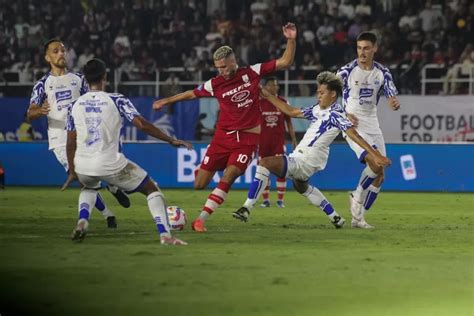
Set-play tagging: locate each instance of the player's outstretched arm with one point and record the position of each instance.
(35, 111)
(380, 160)
(187, 95)
(285, 61)
(281, 105)
(71, 146)
(150, 129)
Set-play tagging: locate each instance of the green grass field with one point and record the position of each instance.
(418, 261)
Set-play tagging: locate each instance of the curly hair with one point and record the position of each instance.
(331, 80)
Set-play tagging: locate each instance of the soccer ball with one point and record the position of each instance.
(176, 217)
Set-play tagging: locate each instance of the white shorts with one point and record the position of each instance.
(130, 179)
(61, 156)
(375, 140)
(301, 167)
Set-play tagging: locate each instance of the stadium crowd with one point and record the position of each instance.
(139, 36)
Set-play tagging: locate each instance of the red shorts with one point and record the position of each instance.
(269, 150)
(236, 148)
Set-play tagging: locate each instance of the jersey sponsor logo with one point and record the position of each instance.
(235, 90)
(366, 92)
(63, 95)
(240, 96)
(244, 104)
(271, 120)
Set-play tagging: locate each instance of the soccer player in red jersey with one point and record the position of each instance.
(272, 137)
(238, 127)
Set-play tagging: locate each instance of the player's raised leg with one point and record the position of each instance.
(121, 196)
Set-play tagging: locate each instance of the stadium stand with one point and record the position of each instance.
(137, 37)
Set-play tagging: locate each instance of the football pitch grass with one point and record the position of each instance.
(419, 260)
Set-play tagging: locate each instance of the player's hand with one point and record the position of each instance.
(354, 120)
(159, 104)
(382, 161)
(181, 143)
(289, 30)
(44, 108)
(394, 103)
(70, 178)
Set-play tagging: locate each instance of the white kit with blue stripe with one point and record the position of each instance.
(60, 91)
(97, 117)
(312, 152)
(361, 93)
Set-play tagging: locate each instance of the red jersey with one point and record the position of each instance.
(238, 97)
(273, 123)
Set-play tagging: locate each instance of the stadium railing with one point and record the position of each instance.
(440, 72)
(188, 78)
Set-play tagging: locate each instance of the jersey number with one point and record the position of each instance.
(242, 158)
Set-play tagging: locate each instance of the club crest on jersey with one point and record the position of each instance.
(245, 78)
(63, 95)
(377, 82)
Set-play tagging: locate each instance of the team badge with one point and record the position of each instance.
(245, 78)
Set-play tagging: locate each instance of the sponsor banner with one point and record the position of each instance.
(180, 123)
(415, 167)
(425, 119)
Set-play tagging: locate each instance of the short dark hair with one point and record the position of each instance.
(265, 80)
(367, 36)
(53, 40)
(331, 80)
(94, 70)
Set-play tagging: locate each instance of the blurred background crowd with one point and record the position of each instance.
(138, 37)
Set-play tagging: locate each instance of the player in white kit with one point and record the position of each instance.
(94, 151)
(51, 97)
(310, 156)
(365, 81)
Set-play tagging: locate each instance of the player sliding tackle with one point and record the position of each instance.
(310, 156)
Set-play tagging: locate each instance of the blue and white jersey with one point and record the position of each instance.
(60, 91)
(97, 118)
(362, 90)
(325, 125)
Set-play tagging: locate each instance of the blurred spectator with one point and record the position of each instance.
(346, 10)
(84, 57)
(169, 30)
(363, 9)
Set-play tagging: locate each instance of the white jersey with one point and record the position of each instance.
(324, 128)
(361, 93)
(97, 118)
(60, 91)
